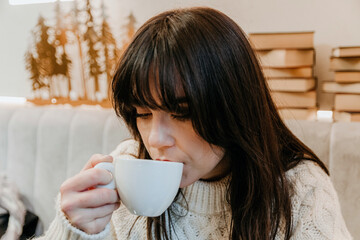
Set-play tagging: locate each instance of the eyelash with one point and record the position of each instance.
(181, 118)
(177, 117)
(142, 115)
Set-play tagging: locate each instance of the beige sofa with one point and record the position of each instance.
(42, 146)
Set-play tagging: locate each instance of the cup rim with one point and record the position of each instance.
(147, 160)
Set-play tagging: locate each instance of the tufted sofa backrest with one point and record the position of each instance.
(40, 147)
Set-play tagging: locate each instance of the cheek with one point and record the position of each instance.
(217, 153)
(203, 162)
(210, 159)
(206, 155)
(143, 130)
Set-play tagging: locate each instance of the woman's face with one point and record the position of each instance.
(170, 136)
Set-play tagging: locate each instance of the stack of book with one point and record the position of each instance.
(345, 61)
(287, 60)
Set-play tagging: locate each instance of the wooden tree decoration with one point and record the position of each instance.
(130, 31)
(75, 29)
(60, 42)
(110, 47)
(32, 67)
(49, 63)
(35, 76)
(91, 38)
(46, 59)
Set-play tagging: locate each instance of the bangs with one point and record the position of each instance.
(155, 73)
(155, 81)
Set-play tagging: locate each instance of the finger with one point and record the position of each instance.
(95, 159)
(84, 215)
(89, 199)
(97, 197)
(96, 226)
(87, 179)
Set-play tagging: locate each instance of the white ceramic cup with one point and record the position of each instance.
(146, 187)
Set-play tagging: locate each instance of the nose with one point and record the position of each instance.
(160, 133)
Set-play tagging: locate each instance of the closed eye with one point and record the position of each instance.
(143, 115)
(181, 117)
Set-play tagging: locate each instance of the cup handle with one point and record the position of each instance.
(109, 167)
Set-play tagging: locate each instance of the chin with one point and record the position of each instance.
(186, 182)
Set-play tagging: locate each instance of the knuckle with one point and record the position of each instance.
(96, 174)
(64, 187)
(66, 206)
(82, 201)
(114, 196)
(108, 195)
(95, 156)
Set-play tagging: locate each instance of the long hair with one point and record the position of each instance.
(204, 52)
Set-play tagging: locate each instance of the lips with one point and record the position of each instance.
(164, 160)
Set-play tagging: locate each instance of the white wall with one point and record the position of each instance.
(334, 22)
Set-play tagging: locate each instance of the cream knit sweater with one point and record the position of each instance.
(315, 211)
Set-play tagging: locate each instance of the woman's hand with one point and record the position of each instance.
(86, 207)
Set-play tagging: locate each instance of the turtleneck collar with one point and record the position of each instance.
(206, 197)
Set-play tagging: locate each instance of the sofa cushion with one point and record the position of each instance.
(316, 135)
(345, 172)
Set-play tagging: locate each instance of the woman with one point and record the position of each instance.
(191, 90)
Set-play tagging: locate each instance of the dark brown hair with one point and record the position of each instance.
(204, 52)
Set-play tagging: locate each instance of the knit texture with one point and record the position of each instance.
(203, 213)
(11, 203)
